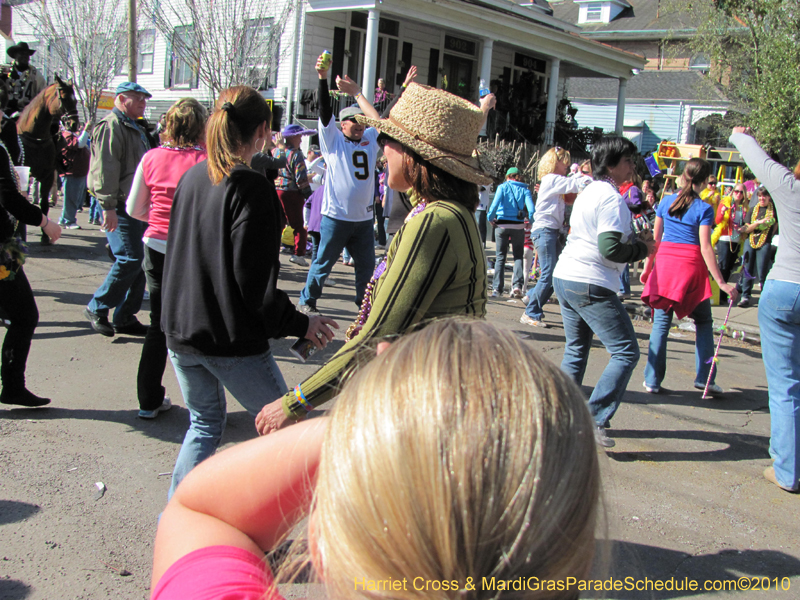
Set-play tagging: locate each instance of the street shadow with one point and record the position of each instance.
(170, 426)
(640, 561)
(12, 511)
(736, 446)
(11, 589)
(751, 400)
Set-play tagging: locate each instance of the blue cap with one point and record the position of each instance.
(131, 86)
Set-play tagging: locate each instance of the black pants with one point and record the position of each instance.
(16, 299)
(154, 351)
(727, 255)
(381, 224)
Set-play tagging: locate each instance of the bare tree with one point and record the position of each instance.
(85, 41)
(222, 43)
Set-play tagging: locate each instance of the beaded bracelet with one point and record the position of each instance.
(301, 399)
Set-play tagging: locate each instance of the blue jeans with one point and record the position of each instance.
(95, 210)
(758, 263)
(336, 235)
(516, 237)
(625, 280)
(546, 243)
(779, 320)
(656, 367)
(254, 381)
(587, 310)
(123, 288)
(74, 193)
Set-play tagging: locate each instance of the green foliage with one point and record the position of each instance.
(754, 49)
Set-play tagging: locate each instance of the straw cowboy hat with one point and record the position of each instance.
(440, 127)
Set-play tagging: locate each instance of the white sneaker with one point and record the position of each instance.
(331, 282)
(713, 389)
(651, 390)
(516, 293)
(298, 260)
(494, 294)
(602, 439)
(525, 319)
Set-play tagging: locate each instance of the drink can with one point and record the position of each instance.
(303, 349)
(327, 58)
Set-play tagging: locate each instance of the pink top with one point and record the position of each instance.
(679, 280)
(154, 186)
(217, 573)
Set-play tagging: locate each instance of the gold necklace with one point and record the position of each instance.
(759, 239)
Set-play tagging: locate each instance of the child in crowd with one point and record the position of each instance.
(481, 481)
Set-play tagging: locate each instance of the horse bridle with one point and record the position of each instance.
(61, 96)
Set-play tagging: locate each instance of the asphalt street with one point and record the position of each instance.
(683, 497)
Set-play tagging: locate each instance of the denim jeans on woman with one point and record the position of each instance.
(589, 310)
(254, 381)
(756, 263)
(779, 320)
(546, 242)
(656, 367)
(515, 237)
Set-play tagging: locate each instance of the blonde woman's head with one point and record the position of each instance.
(185, 123)
(459, 452)
(551, 161)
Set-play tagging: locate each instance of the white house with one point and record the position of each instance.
(457, 41)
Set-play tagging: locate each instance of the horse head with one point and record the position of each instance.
(63, 100)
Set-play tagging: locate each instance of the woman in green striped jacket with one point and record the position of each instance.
(435, 266)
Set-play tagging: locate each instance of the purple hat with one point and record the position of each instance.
(295, 129)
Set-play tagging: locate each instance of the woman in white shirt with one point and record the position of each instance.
(549, 219)
(600, 244)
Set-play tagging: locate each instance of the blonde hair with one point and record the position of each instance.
(547, 164)
(237, 114)
(185, 122)
(431, 471)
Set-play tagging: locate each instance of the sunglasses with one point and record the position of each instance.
(738, 192)
(586, 172)
(710, 183)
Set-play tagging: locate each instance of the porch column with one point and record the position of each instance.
(552, 102)
(623, 84)
(486, 68)
(371, 55)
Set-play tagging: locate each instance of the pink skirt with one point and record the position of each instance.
(679, 280)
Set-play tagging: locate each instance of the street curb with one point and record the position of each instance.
(736, 331)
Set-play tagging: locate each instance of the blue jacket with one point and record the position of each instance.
(509, 199)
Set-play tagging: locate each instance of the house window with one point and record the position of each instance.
(700, 62)
(145, 52)
(594, 13)
(258, 54)
(183, 67)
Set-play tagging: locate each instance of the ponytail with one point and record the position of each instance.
(239, 112)
(696, 172)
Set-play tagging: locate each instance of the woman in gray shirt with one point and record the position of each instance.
(779, 313)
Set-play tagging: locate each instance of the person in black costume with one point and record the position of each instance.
(16, 296)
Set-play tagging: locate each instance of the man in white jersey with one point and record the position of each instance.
(350, 156)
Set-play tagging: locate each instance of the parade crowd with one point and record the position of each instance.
(453, 449)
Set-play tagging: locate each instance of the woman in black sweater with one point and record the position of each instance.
(221, 303)
(16, 296)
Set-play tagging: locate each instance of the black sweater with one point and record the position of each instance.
(220, 291)
(14, 204)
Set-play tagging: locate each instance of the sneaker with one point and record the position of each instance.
(23, 398)
(286, 250)
(624, 296)
(744, 302)
(152, 414)
(713, 389)
(490, 272)
(331, 282)
(133, 327)
(651, 390)
(769, 475)
(495, 294)
(72, 226)
(526, 320)
(602, 439)
(516, 293)
(298, 260)
(307, 309)
(99, 322)
(525, 299)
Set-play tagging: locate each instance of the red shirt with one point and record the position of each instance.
(162, 168)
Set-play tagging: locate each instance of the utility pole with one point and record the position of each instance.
(132, 49)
